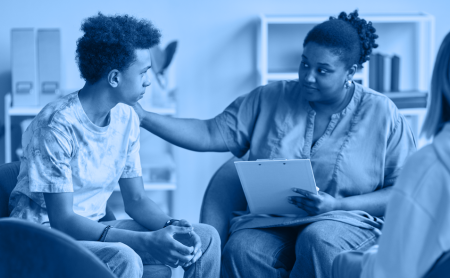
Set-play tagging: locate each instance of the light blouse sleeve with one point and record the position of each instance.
(49, 153)
(401, 144)
(236, 123)
(416, 218)
(408, 246)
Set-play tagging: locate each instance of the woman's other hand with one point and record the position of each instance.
(313, 204)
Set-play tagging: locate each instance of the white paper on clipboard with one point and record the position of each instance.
(268, 184)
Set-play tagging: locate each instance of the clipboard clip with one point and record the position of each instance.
(271, 159)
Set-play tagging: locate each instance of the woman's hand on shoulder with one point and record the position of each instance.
(140, 111)
(313, 204)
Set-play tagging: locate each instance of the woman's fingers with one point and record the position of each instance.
(302, 200)
(303, 204)
(305, 193)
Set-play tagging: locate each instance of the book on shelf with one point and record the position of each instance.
(395, 73)
(384, 72)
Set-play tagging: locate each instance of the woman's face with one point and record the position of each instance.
(322, 75)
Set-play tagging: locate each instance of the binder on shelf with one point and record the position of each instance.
(395, 73)
(386, 74)
(380, 72)
(372, 72)
(23, 67)
(49, 56)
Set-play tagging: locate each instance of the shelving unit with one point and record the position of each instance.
(409, 35)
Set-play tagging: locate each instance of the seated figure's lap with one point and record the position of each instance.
(206, 233)
(273, 246)
(309, 248)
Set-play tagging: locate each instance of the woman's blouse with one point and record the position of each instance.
(416, 231)
(362, 150)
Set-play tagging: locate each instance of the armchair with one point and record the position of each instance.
(30, 250)
(224, 195)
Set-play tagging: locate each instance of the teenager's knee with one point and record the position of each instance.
(125, 262)
(210, 239)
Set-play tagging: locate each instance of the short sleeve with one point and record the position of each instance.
(401, 144)
(133, 161)
(49, 153)
(236, 123)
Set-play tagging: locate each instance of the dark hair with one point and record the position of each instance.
(109, 42)
(439, 111)
(350, 37)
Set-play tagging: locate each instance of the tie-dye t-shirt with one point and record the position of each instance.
(63, 151)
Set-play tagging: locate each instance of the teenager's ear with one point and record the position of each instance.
(114, 78)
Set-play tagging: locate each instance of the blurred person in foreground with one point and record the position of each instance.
(417, 226)
(78, 148)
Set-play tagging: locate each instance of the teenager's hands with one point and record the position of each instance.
(313, 204)
(140, 111)
(191, 239)
(166, 249)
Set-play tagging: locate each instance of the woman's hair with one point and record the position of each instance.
(109, 42)
(348, 36)
(439, 109)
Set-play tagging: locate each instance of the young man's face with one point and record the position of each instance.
(136, 78)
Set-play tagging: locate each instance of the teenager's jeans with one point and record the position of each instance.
(125, 262)
(292, 252)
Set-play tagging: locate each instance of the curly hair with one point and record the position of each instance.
(349, 36)
(109, 42)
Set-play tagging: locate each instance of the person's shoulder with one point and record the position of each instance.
(278, 90)
(376, 99)
(378, 103)
(125, 114)
(281, 86)
(60, 112)
(421, 167)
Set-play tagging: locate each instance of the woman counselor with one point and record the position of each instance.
(356, 139)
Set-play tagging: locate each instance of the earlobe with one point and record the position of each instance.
(114, 78)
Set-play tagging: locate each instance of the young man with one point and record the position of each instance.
(79, 147)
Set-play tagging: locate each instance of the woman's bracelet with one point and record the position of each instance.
(105, 232)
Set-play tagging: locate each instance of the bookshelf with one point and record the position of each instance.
(407, 35)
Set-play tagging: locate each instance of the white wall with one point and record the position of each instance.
(215, 62)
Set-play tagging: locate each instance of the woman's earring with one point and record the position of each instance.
(347, 84)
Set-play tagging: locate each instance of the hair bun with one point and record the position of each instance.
(366, 33)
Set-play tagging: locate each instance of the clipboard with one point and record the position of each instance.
(268, 183)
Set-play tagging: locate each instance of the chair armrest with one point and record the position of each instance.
(27, 249)
(223, 195)
(441, 268)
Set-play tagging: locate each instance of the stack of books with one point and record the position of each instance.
(384, 73)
